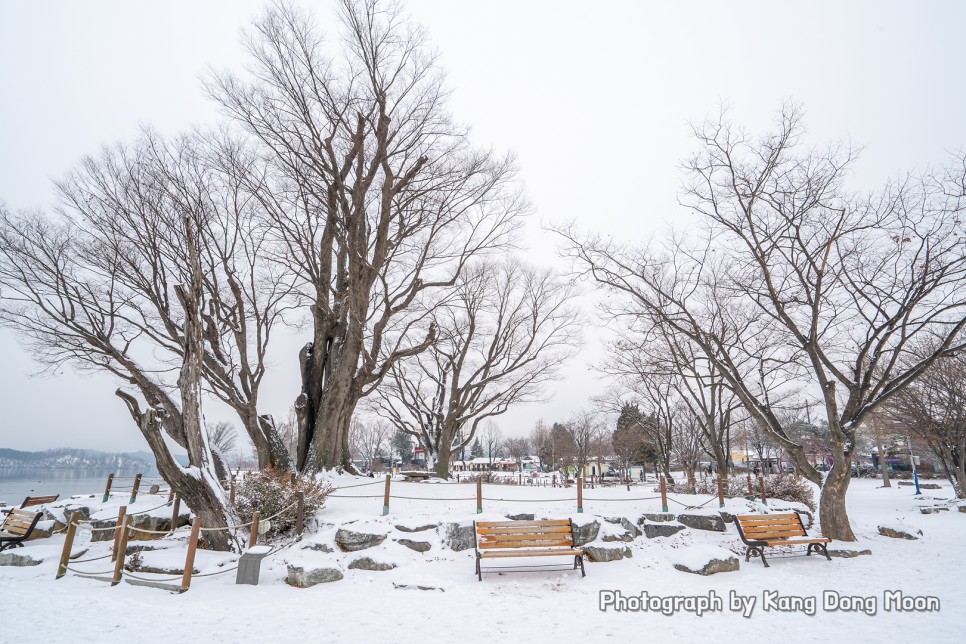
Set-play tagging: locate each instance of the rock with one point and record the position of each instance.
(631, 531)
(934, 510)
(586, 533)
(704, 559)
(299, 577)
(418, 546)
(158, 570)
(520, 517)
(459, 537)
(45, 529)
(900, 532)
(318, 547)
(922, 486)
(416, 587)
(962, 508)
(85, 512)
(605, 553)
(659, 517)
(155, 524)
(350, 541)
(138, 548)
(366, 563)
(13, 558)
(421, 528)
(726, 516)
(712, 522)
(653, 530)
(847, 553)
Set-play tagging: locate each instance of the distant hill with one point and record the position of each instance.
(78, 459)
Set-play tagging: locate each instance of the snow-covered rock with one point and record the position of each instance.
(656, 529)
(418, 528)
(318, 547)
(585, 533)
(704, 559)
(367, 563)
(301, 577)
(459, 536)
(629, 533)
(712, 522)
(848, 553)
(658, 517)
(520, 517)
(418, 546)
(602, 553)
(14, 558)
(900, 530)
(351, 541)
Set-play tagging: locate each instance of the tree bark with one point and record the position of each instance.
(833, 513)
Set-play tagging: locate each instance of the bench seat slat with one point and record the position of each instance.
(759, 518)
(511, 524)
(523, 536)
(791, 542)
(554, 529)
(572, 552)
(567, 543)
(785, 532)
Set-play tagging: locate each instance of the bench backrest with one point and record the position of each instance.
(524, 534)
(19, 522)
(770, 526)
(38, 500)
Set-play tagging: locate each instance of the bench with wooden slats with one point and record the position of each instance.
(759, 531)
(498, 539)
(17, 527)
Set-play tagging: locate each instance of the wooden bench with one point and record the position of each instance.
(525, 539)
(36, 500)
(17, 527)
(759, 531)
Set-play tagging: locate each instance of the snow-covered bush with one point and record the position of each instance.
(270, 492)
(777, 486)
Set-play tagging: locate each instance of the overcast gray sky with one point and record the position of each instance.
(595, 99)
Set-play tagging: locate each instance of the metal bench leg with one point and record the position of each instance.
(825, 551)
(756, 551)
(808, 552)
(580, 558)
(479, 573)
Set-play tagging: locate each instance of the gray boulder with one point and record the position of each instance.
(145, 522)
(416, 587)
(631, 531)
(897, 532)
(459, 537)
(659, 517)
(520, 517)
(419, 528)
(318, 547)
(366, 563)
(607, 553)
(418, 546)
(586, 533)
(712, 522)
(933, 510)
(847, 553)
(14, 558)
(713, 566)
(652, 530)
(350, 541)
(300, 577)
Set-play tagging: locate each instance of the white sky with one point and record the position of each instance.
(594, 99)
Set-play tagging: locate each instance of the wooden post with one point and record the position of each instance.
(134, 491)
(663, 495)
(107, 490)
(253, 538)
(300, 513)
(479, 496)
(720, 492)
(118, 530)
(120, 552)
(693, 483)
(170, 497)
(385, 497)
(761, 487)
(751, 490)
(189, 560)
(175, 512)
(580, 494)
(68, 544)
(231, 492)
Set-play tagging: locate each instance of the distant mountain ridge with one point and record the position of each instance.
(79, 459)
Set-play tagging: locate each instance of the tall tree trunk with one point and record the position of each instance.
(443, 456)
(832, 511)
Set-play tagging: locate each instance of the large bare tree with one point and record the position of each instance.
(376, 197)
(503, 335)
(836, 286)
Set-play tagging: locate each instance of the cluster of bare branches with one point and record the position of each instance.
(799, 282)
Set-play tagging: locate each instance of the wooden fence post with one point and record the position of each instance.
(170, 496)
(385, 497)
(68, 544)
(663, 495)
(107, 490)
(761, 487)
(720, 492)
(479, 495)
(117, 531)
(121, 551)
(300, 513)
(175, 512)
(253, 537)
(134, 490)
(189, 560)
(580, 494)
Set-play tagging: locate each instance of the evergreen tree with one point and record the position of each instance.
(476, 451)
(402, 444)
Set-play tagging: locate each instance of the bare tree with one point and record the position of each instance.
(223, 438)
(377, 199)
(797, 272)
(370, 440)
(502, 336)
(491, 438)
(588, 436)
(517, 448)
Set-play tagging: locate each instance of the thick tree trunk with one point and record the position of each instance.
(832, 511)
(443, 456)
(885, 467)
(269, 448)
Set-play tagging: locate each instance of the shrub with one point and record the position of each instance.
(777, 486)
(270, 492)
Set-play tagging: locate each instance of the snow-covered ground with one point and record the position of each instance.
(537, 607)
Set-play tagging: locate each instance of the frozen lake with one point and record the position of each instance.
(16, 484)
